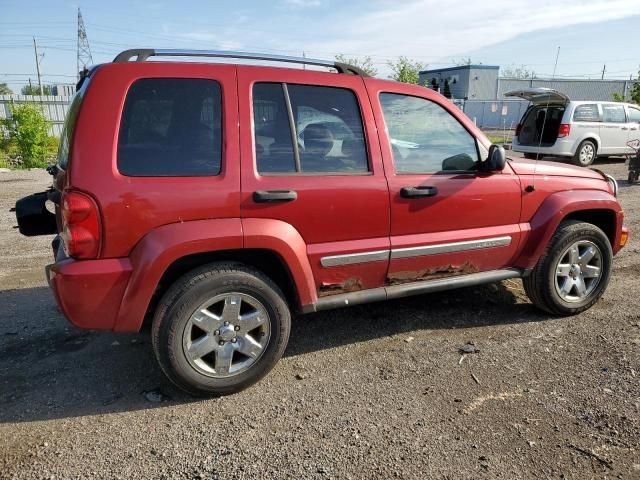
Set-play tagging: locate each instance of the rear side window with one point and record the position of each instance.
(613, 113)
(586, 113)
(171, 127)
(324, 122)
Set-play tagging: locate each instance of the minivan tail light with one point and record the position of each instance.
(80, 225)
(564, 130)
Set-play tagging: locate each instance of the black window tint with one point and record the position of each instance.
(69, 126)
(171, 127)
(328, 130)
(273, 144)
(613, 113)
(586, 113)
(425, 138)
(634, 115)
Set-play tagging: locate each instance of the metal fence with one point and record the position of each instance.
(54, 108)
(503, 114)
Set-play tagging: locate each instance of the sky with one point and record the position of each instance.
(437, 33)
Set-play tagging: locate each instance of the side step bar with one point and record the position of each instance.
(409, 289)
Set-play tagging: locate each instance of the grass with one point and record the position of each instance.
(498, 139)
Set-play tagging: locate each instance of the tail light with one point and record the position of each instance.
(518, 128)
(564, 130)
(80, 225)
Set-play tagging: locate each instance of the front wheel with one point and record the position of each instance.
(574, 270)
(220, 328)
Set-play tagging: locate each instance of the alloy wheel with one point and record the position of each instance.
(578, 271)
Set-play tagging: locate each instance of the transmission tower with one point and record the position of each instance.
(84, 51)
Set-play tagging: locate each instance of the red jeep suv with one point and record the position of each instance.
(215, 199)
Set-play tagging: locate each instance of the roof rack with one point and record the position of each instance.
(142, 54)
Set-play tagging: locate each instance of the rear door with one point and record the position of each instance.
(311, 158)
(614, 130)
(446, 218)
(633, 114)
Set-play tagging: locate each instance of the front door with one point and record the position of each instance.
(313, 161)
(613, 130)
(446, 217)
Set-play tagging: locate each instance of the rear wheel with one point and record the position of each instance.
(220, 329)
(574, 270)
(585, 154)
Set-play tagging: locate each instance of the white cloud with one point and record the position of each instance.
(304, 3)
(431, 29)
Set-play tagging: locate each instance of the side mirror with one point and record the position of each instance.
(496, 160)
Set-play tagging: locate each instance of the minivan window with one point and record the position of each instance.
(327, 127)
(613, 113)
(634, 115)
(586, 113)
(426, 138)
(171, 127)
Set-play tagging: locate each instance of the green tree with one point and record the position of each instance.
(635, 90)
(364, 63)
(617, 97)
(406, 70)
(28, 128)
(4, 89)
(447, 89)
(35, 90)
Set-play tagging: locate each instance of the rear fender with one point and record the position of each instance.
(557, 207)
(160, 248)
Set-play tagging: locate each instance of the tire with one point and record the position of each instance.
(586, 153)
(225, 358)
(532, 156)
(544, 285)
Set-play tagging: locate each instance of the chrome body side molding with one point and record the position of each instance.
(352, 258)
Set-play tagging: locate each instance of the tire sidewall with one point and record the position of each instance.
(174, 320)
(574, 233)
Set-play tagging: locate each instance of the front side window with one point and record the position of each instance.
(634, 115)
(324, 122)
(613, 113)
(171, 127)
(426, 138)
(586, 113)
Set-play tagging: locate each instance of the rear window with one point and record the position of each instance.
(69, 126)
(586, 113)
(171, 127)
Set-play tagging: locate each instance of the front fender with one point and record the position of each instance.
(160, 248)
(557, 207)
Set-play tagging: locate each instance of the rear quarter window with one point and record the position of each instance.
(586, 113)
(69, 126)
(171, 127)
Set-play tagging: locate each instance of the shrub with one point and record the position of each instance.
(27, 129)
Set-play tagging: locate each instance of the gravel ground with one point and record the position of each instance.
(379, 391)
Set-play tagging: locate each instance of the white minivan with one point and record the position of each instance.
(554, 125)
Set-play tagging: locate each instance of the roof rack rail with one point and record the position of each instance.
(142, 54)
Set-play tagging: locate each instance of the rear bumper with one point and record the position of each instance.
(89, 292)
(562, 148)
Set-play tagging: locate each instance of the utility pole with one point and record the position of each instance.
(35, 50)
(604, 69)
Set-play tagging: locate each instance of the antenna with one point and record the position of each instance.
(544, 123)
(84, 59)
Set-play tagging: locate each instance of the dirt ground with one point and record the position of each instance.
(378, 391)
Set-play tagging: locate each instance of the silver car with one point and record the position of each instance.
(554, 125)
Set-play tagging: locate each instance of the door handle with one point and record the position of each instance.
(418, 192)
(273, 196)
(625, 128)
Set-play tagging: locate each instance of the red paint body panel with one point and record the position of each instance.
(150, 222)
(89, 292)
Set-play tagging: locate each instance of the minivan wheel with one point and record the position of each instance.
(220, 328)
(585, 154)
(574, 270)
